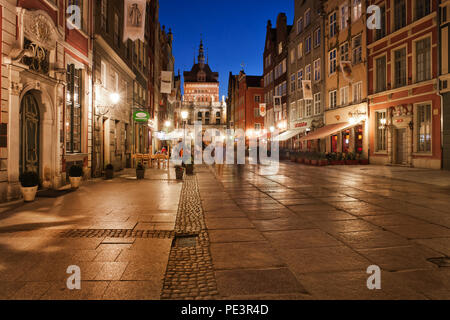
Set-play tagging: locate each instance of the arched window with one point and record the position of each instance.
(200, 116)
(206, 117)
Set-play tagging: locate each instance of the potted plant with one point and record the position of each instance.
(190, 167)
(179, 170)
(350, 159)
(75, 176)
(323, 161)
(29, 185)
(109, 172)
(140, 171)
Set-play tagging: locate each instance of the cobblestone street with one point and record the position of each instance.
(237, 233)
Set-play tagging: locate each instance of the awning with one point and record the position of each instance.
(174, 135)
(288, 134)
(326, 131)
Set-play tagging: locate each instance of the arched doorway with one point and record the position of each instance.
(29, 134)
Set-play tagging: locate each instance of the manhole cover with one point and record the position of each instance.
(443, 262)
(185, 241)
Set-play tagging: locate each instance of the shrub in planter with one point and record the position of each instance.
(75, 176)
(179, 171)
(109, 172)
(339, 159)
(323, 161)
(29, 185)
(350, 159)
(140, 171)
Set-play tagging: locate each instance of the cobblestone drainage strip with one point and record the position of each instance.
(185, 241)
(442, 262)
(117, 233)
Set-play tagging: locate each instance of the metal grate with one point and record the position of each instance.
(117, 233)
(185, 241)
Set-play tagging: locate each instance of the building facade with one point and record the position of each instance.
(444, 63)
(275, 73)
(46, 108)
(232, 100)
(405, 105)
(250, 96)
(346, 114)
(201, 95)
(306, 63)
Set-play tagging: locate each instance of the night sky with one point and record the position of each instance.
(233, 32)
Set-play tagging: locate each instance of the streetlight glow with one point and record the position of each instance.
(184, 115)
(115, 98)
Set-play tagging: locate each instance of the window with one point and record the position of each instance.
(300, 50)
(423, 60)
(293, 80)
(399, 14)
(300, 108)
(293, 111)
(257, 98)
(308, 72)
(317, 103)
(423, 113)
(357, 10)
(333, 99)
(332, 61)
(299, 25)
(317, 38)
(357, 49)
(400, 68)
(423, 8)
(116, 30)
(344, 52)
(380, 74)
(332, 23)
(444, 14)
(357, 92)
(308, 45)
(299, 79)
(307, 18)
(280, 47)
(317, 70)
(103, 74)
(292, 55)
(308, 108)
(206, 117)
(199, 117)
(73, 110)
(380, 117)
(344, 96)
(104, 15)
(381, 33)
(344, 16)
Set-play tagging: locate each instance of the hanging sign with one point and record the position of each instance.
(166, 82)
(346, 67)
(134, 20)
(141, 116)
(277, 104)
(262, 109)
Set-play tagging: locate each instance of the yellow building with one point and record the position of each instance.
(346, 106)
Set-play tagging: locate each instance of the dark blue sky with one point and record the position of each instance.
(233, 32)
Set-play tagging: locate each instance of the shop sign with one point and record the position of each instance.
(141, 116)
(301, 124)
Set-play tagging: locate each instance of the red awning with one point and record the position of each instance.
(326, 131)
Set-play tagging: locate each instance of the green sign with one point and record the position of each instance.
(141, 116)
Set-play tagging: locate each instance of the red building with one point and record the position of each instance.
(250, 95)
(405, 106)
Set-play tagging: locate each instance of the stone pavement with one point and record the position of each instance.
(238, 233)
(118, 232)
(311, 233)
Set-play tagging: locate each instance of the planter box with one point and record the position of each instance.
(364, 162)
(109, 174)
(189, 169)
(293, 159)
(337, 162)
(29, 193)
(140, 174)
(323, 163)
(75, 182)
(307, 161)
(179, 174)
(300, 160)
(351, 162)
(314, 162)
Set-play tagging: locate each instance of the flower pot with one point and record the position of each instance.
(29, 194)
(364, 162)
(109, 174)
(140, 174)
(189, 169)
(75, 182)
(179, 173)
(351, 162)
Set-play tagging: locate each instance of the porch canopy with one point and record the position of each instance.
(288, 134)
(326, 131)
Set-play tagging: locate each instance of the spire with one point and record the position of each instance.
(201, 53)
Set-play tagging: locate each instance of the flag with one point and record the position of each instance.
(307, 90)
(134, 20)
(346, 68)
(262, 109)
(166, 82)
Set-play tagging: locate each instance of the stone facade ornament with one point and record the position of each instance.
(40, 29)
(16, 88)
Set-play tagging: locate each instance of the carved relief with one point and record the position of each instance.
(40, 29)
(16, 88)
